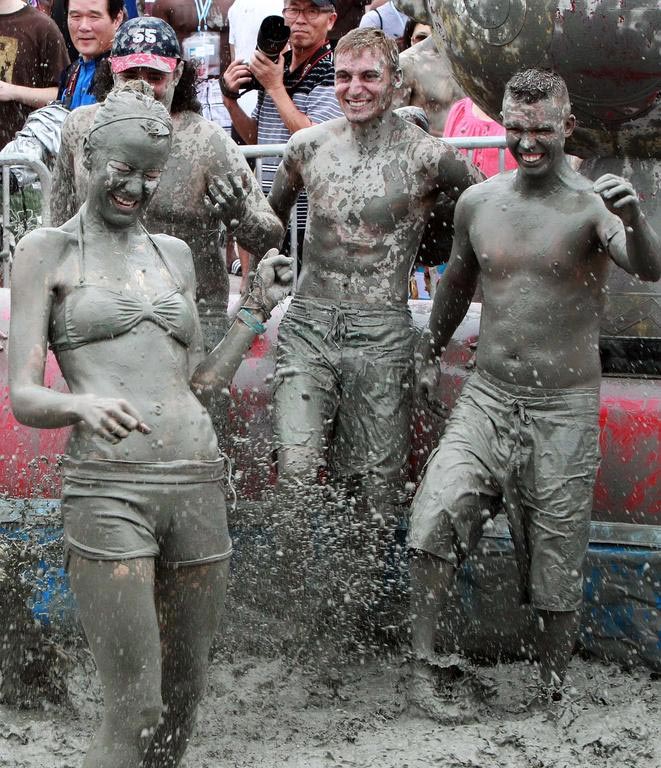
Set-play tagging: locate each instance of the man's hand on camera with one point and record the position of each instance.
(236, 76)
(269, 73)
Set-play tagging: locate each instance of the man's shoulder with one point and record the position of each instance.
(321, 74)
(371, 19)
(27, 18)
(488, 191)
(316, 138)
(40, 23)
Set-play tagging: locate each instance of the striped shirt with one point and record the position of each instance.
(312, 89)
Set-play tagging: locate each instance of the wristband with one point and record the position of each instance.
(247, 318)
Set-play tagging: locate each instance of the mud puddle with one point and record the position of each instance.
(267, 712)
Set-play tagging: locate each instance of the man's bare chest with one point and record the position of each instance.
(371, 194)
(542, 242)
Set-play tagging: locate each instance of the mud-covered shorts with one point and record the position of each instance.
(343, 381)
(535, 451)
(119, 510)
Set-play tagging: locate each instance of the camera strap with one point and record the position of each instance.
(202, 7)
(310, 64)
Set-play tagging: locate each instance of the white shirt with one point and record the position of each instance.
(387, 18)
(245, 18)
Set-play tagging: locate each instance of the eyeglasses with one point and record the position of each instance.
(311, 14)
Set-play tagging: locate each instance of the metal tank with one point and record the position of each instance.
(609, 53)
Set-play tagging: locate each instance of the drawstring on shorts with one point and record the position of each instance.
(338, 326)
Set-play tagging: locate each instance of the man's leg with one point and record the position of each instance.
(431, 581)
(302, 415)
(455, 534)
(558, 493)
(556, 638)
(456, 497)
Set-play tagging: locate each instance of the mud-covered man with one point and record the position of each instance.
(524, 433)
(345, 355)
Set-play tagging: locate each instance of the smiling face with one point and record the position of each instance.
(90, 26)
(536, 133)
(124, 170)
(364, 84)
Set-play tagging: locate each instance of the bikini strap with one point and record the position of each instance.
(173, 272)
(81, 249)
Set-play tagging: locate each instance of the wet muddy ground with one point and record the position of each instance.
(266, 710)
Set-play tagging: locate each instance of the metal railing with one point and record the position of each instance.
(256, 152)
(38, 167)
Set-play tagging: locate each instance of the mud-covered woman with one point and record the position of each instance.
(146, 540)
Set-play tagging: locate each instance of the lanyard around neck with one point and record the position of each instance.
(202, 7)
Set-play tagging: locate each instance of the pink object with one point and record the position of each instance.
(462, 123)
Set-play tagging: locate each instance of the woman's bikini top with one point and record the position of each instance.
(90, 312)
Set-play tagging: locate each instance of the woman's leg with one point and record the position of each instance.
(116, 604)
(190, 602)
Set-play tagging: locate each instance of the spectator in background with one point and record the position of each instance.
(466, 120)
(386, 17)
(414, 32)
(245, 18)
(204, 40)
(92, 26)
(32, 57)
(296, 92)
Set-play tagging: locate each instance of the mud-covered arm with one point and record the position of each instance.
(455, 289)
(288, 183)
(63, 199)
(451, 171)
(31, 299)
(271, 285)
(239, 202)
(625, 232)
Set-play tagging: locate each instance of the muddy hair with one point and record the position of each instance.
(532, 85)
(185, 93)
(369, 39)
(132, 101)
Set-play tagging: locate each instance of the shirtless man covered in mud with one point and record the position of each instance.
(524, 434)
(344, 370)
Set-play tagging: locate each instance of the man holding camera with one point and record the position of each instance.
(296, 89)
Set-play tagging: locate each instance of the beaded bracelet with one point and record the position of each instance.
(247, 318)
